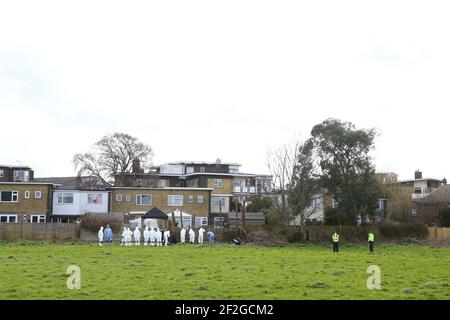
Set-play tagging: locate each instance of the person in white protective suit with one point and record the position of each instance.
(152, 237)
(183, 236)
(128, 237)
(137, 236)
(158, 237)
(166, 237)
(100, 236)
(201, 231)
(191, 236)
(124, 235)
(146, 236)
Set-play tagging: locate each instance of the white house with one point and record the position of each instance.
(73, 203)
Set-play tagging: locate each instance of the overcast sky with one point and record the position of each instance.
(198, 80)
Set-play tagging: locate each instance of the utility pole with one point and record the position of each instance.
(243, 214)
(220, 212)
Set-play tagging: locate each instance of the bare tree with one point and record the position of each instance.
(400, 205)
(281, 163)
(112, 157)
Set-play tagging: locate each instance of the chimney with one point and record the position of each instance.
(218, 161)
(444, 181)
(136, 167)
(418, 175)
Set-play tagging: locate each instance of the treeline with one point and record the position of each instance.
(335, 160)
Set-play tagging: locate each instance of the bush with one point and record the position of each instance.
(259, 204)
(444, 215)
(313, 222)
(334, 217)
(295, 236)
(399, 231)
(93, 221)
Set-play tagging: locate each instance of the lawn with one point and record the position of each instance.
(38, 271)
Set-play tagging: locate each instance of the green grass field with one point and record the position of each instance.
(37, 271)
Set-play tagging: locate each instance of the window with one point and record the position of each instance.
(9, 196)
(218, 222)
(315, 203)
(37, 194)
(217, 183)
(381, 205)
(334, 203)
(233, 170)
(189, 169)
(174, 200)
(414, 212)
(27, 194)
(200, 198)
(191, 198)
(65, 198)
(37, 218)
(144, 199)
(8, 218)
(202, 169)
(161, 183)
(21, 175)
(94, 198)
(128, 198)
(118, 197)
(218, 201)
(2, 173)
(418, 190)
(201, 221)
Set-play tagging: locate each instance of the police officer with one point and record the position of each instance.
(371, 239)
(335, 239)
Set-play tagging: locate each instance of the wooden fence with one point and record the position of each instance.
(38, 231)
(439, 234)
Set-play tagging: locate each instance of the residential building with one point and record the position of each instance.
(76, 196)
(69, 205)
(419, 187)
(134, 202)
(400, 197)
(386, 177)
(10, 173)
(231, 189)
(25, 201)
(427, 209)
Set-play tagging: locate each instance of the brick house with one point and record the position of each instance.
(16, 173)
(25, 201)
(231, 189)
(427, 208)
(133, 202)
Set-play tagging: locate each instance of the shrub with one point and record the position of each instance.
(399, 231)
(259, 204)
(313, 222)
(93, 221)
(444, 215)
(334, 217)
(295, 236)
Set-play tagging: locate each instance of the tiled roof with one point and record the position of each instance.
(441, 194)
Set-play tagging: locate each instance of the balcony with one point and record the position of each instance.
(244, 189)
(418, 196)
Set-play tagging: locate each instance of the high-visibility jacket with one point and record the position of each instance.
(335, 237)
(371, 237)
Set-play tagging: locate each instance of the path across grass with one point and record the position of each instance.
(193, 272)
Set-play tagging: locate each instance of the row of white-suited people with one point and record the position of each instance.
(154, 236)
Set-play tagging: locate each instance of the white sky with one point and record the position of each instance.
(198, 80)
